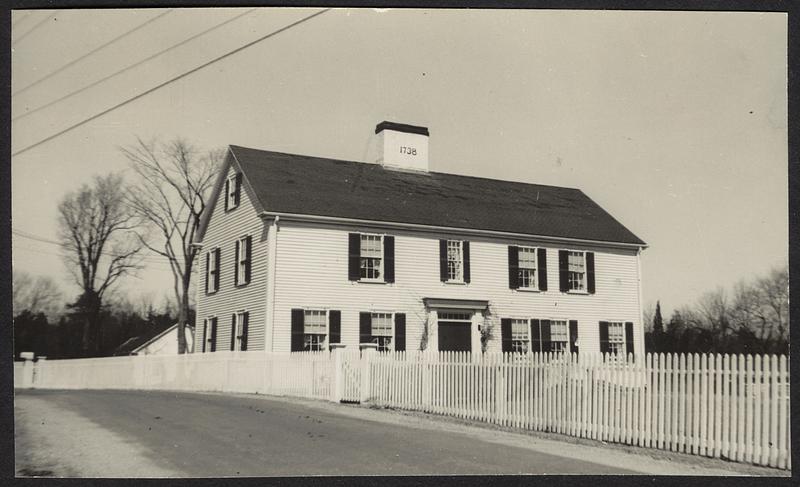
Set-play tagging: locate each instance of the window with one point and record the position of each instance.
(455, 260)
(577, 271)
(616, 338)
(243, 253)
(315, 330)
(382, 330)
(371, 256)
(212, 271)
(520, 336)
(559, 336)
(455, 316)
(232, 187)
(527, 268)
(239, 331)
(210, 334)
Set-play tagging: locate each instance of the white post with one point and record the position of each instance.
(364, 363)
(338, 379)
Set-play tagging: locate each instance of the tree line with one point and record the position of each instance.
(106, 228)
(754, 318)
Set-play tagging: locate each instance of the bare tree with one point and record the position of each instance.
(169, 198)
(35, 293)
(94, 228)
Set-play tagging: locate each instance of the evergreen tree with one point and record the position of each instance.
(658, 321)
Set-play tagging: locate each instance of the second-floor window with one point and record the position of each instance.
(243, 260)
(527, 268)
(455, 270)
(577, 271)
(212, 270)
(371, 256)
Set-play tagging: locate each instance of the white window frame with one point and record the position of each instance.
(567, 342)
(459, 274)
(238, 330)
(534, 270)
(241, 264)
(375, 338)
(528, 344)
(207, 332)
(232, 189)
(584, 282)
(381, 276)
(326, 343)
(618, 343)
(211, 270)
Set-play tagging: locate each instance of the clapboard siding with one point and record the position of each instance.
(224, 228)
(311, 271)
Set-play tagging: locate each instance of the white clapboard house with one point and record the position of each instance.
(306, 253)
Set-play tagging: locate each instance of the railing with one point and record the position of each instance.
(725, 406)
(722, 406)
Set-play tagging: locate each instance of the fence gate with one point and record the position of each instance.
(350, 373)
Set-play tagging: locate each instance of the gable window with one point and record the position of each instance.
(315, 330)
(527, 268)
(233, 189)
(212, 270)
(382, 331)
(243, 260)
(520, 336)
(239, 331)
(577, 271)
(371, 256)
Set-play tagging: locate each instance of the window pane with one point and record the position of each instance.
(315, 321)
(616, 332)
(382, 324)
(527, 258)
(455, 316)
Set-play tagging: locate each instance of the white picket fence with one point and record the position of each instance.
(725, 406)
(722, 406)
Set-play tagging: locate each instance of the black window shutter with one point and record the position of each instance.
(541, 263)
(245, 320)
(547, 344)
(573, 335)
(238, 193)
(604, 348)
(388, 258)
(399, 332)
(205, 336)
(354, 257)
(216, 268)
(563, 271)
(536, 336)
(213, 334)
(629, 337)
(590, 272)
(365, 327)
(513, 267)
(505, 334)
(236, 263)
(233, 331)
(208, 262)
(466, 261)
(227, 192)
(298, 318)
(249, 255)
(335, 326)
(443, 260)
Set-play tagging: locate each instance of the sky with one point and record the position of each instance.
(674, 122)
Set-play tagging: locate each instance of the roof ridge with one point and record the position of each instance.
(421, 173)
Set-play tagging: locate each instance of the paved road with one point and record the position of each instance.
(128, 433)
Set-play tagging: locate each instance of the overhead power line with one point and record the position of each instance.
(93, 51)
(38, 24)
(128, 68)
(169, 81)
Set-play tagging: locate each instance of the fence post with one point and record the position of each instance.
(338, 380)
(364, 364)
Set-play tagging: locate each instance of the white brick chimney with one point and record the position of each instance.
(402, 146)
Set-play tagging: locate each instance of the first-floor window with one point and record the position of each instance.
(209, 334)
(315, 330)
(382, 330)
(559, 336)
(616, 338)
(520, 336)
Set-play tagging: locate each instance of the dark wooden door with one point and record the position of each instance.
(454, 337)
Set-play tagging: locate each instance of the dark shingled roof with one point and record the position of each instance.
(308, 185)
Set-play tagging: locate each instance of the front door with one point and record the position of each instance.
(454, 337)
